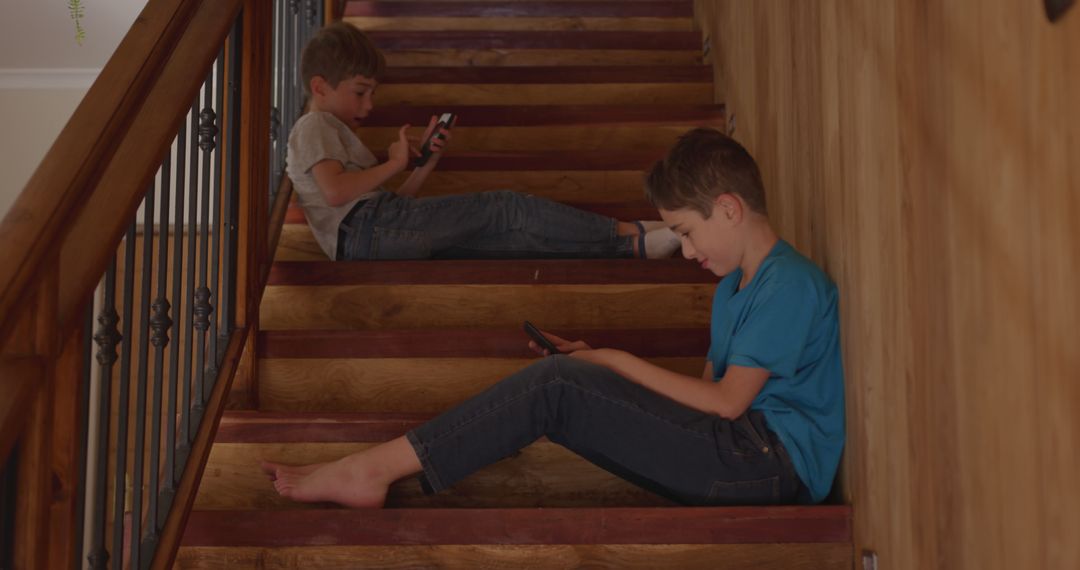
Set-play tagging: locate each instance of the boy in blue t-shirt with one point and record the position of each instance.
(763, 425)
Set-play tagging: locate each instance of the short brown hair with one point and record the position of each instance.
(339, 52)
(704, 164)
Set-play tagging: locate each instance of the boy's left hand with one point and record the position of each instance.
(564, 346)
(437, 145)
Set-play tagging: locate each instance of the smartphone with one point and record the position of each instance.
(445, 120)
(540, 339)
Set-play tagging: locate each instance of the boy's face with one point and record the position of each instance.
(714, 242)
(350, 101)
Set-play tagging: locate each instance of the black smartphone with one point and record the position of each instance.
(445, 120)
(540, 339)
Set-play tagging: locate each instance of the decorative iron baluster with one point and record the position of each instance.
(10, 470)
(215, 243)
(203, 308)
(226, 298)
(106, 337)
(82, 489)
(168, 492)
(187, 379)
(160, 321)
(140, 386)
(120, 469)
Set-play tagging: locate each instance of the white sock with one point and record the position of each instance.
(661, 243)
(652, 225)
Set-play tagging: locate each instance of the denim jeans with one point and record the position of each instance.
(676, 451)
(499, 224)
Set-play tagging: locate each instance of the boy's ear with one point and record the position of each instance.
(318, 85)
(728, 206)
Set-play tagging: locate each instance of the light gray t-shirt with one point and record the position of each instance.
(315, 137)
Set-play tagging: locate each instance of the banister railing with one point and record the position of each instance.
(131, 268)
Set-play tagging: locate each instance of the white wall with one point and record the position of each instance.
(44, 73)
(31, 119)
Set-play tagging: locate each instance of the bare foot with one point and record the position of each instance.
(275, 470)
(350, 481)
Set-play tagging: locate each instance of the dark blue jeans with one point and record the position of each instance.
(500, 224)
(676, 451)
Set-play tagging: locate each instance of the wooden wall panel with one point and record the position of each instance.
(925, 154)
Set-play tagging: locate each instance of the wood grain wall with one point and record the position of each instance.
(927, 154)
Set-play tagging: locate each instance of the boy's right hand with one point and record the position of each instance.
(400, 150)
(564, 346)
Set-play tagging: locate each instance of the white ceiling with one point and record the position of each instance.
(40, 34)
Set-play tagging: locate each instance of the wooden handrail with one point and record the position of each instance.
(71, 168)
(69, 218)
(63, 229)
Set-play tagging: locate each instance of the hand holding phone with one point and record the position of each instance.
(444, 122)
(539, 338)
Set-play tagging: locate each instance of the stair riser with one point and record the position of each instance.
(558, 94)
(518, 138)
(542, 475)
(537, 9)
(479, 57)
(391, 384)
(830, 556)
(434, 306)
(641, 24)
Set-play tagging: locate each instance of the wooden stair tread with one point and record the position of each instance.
(297, 427)
(806, 556)
(543, 474)
(630, 159)
(489, 272)
(654, 525)
(408, 384)
(473, 342)
(548, 115)
(637, 210)
(585, 40)
(535, 9)
(554, 74)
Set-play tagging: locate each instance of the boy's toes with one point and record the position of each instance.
(270, 469)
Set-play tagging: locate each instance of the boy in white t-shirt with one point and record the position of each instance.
(339, 183)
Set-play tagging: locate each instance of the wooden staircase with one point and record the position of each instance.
(567, 100)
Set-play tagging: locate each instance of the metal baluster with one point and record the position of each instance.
(7, 506)
(227, 297)
(171, 475)
(84, 433)
(189, 295)
(203, 308)
(122, 401)
(290, 63)
(140, 386)
(276, 140)
(106, 337)
(159, 324)
(215, 243)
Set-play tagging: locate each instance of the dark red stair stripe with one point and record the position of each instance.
(551, 74)
(286, 427)
(591, 160)
(549, 115)
(622, 211)
(673, 525)
(489, 272)
(533, 9)
(471, 343)
(650, 40)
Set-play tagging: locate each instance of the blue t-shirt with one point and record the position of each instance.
(785, 321)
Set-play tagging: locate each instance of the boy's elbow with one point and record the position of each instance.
(728, 410)
(334, 198)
